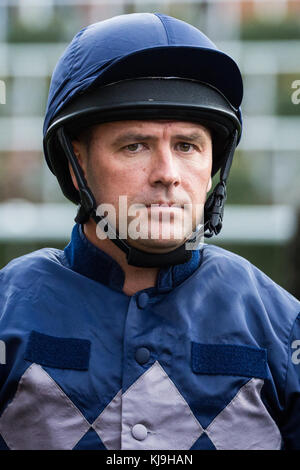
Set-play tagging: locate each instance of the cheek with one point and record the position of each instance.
(109, 181)
(197, 181)
(100, 182)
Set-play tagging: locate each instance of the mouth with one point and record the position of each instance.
(165, 204)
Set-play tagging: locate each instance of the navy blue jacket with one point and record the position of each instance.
(206, 359)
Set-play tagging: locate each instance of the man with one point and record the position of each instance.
(141, 341)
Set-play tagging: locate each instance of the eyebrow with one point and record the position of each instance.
(194, 137)
(134, 137)
(131, 137)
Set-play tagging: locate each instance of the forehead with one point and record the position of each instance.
(157, 126)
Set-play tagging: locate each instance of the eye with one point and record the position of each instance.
(133, 147)
(185, 147)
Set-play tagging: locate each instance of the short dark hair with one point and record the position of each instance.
(85, 136)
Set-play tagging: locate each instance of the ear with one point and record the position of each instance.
(73, 176)
(78, 151)
(209, 185)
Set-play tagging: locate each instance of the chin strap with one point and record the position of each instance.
(213, 214)
(214, 206)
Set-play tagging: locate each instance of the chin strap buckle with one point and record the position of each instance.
(214, 209)
(214, 206)
(86, 206)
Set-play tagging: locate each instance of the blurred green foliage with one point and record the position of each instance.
(249, 181)
(57, 25)
(270, 30)
(18, 32)
(12, 250)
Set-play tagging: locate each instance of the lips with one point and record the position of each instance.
(165, 204)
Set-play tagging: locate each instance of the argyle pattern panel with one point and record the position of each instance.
(41, 416)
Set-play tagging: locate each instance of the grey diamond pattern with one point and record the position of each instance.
(41, 416)
(245, 423)
(108, 424)
(154, 401)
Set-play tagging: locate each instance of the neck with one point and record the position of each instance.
(136, 278)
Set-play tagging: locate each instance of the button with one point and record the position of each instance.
(143, 300)
(139, 432)
(142, 355)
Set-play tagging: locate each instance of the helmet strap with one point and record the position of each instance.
(214, 206)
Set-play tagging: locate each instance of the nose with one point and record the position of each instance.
(164, 168)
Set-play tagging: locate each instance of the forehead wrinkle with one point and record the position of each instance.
(189, 131)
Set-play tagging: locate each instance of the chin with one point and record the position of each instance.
(156, 246)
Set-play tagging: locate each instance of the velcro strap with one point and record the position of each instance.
(62, 353)
(229, 359)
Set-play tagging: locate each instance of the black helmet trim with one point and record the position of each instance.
(168, 92)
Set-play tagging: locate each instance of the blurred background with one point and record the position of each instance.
(263, 36)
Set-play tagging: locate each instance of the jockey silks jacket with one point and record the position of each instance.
(206, 359)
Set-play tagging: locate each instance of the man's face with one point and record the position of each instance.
(154, 163)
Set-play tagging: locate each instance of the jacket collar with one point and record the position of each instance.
(87, 259)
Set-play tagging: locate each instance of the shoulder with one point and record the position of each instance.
(23, 271)
(228, 263)
(244, 279)
(213, 254)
